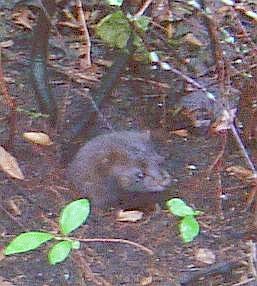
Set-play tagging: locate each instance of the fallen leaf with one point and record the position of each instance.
(205, 255)
(9, 165)
(37, 138)
(6, 44)
(180, 132)
(23, 18)
(192, 40)
(14, 205)
(241, 173)
(130, 216)
(146, 281)
(3, 282)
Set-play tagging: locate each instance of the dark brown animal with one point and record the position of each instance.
(114, 168)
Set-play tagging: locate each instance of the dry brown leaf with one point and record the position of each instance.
(23, 18)
(146, 281)
(2, 256)
(241, 173)
(192, 40)
(130, 216)
(205, 255)
(69, 24)
(9, 165)
(180, 132)
(14, 205)
(37, 138)
(3, 282)
(6, 44)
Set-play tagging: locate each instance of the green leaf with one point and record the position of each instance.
(74, 215)
(143, 22)
(189, 228)
(114, 29)
(59, 252)
(75, 244)
(179, 208)
(115, 2)
(27, 241)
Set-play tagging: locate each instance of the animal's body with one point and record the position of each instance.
(114, 169)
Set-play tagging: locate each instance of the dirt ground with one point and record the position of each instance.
(35, 202)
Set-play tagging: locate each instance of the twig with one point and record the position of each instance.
(185, 77)
(242, 149)
(253, 193)
(242, 30)
(87, 60)
(220, 155)
(141, 11)
(87, 272)
(224, 268)
(114, 240)
(253, 258)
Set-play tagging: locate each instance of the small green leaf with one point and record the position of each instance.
(189, 228)
(114, 29)
(75, 244)
(115, 2)
(59, 252)
(143, 22)
(27, 241)
(179, 208)
(74, 215)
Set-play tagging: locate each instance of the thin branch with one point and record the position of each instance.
(141, 11)
(114, 240)
(87, 60)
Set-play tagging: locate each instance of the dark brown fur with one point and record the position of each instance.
(113, 169)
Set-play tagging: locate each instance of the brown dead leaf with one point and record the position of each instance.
(2, 256)
(130, 216)
(205, 255)
(39, 138)
(3, 282)
(180, 132)
(146, 281)
(71, 25)
(23, 18)
(241, 173)
(9, 165)
(6, 44)
(14, 205)
(192, 40)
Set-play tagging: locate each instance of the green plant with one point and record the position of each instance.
(189, 227)
(116, 28)
(72, 217)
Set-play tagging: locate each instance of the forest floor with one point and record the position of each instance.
(216, 257)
